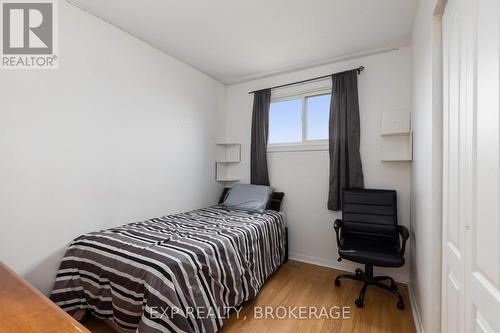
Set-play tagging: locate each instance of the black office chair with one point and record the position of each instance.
(369, 234)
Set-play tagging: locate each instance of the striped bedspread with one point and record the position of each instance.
(177, 273)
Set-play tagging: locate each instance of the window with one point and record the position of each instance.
(299, 122)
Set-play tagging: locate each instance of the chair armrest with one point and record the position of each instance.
(337, 225)
(403, 232)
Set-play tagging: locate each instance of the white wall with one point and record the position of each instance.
(119, 133)
(384, 85)
(427, 167)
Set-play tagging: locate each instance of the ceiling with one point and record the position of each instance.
(238, 40)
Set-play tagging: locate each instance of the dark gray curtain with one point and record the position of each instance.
(260, 129)
(344, 133)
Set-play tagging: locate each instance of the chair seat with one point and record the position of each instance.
(372, 251)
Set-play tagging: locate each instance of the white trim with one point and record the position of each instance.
(301, 91)
(311, 145)
(343, 266)
(304, 119)
(417, 319)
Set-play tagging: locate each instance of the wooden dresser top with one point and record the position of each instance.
(23, 309)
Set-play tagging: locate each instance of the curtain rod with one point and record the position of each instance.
(359, 69)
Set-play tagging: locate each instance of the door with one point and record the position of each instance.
(471, 166)
(483, 271)
(455, 140)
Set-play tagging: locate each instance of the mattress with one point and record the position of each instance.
(178, 273)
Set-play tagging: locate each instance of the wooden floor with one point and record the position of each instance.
(298, 284)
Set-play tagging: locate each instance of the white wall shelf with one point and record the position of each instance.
(397, 148)
(228, 180)
(228, 153)
(397, 133)
(395, 123)
(397, 137)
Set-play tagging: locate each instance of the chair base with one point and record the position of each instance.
(367, 277)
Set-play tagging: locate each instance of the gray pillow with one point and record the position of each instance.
(247, 197)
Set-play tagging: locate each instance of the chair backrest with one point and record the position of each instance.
(370, 212)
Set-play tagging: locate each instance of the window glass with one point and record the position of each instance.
(285, 121)
(318, 110)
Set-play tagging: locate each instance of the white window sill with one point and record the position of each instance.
(301, 146)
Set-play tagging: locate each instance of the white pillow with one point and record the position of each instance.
(248, 197)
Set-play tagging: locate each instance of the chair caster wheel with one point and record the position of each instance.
(358, 271)
(359, 303)
(337, 283)
(400, 305)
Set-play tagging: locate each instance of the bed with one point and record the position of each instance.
(178, 273)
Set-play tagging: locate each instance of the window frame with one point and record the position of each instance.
(305, 144)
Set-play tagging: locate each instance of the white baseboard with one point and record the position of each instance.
(414, 309)
(343, 265)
